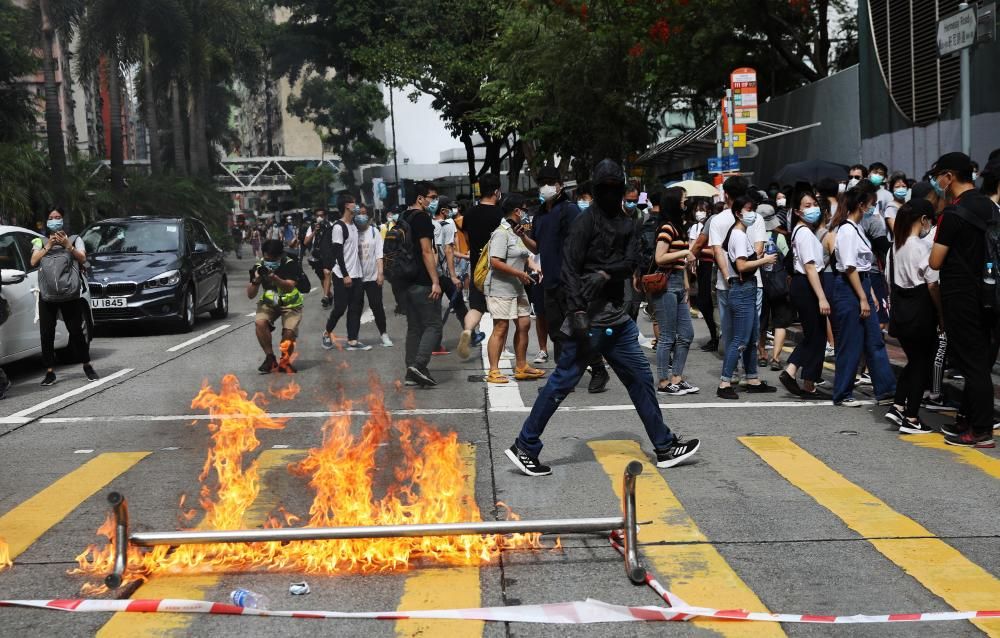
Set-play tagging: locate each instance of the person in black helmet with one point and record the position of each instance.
(599, 258)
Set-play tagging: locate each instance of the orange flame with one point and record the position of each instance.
(286, 393)
(429, 486)
(5, 560)
(288, 357)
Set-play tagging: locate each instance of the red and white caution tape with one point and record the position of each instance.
(570, 613)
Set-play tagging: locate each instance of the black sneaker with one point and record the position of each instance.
(940, 404)
(528, 464)
(710, 346)
(89, 371)
(598, 380)
(421, 376)
(410, 380)
(895, 416)
(269, 365)
(677, 453)
(790, 384)
(672, 390)
(326, 302)
(761, 388)
(909, 427)
(959, 427)
(688, 388)
(727, 393)
(50, 379)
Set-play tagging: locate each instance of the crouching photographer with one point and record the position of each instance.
(280, 276)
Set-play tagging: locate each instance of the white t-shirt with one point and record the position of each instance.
(806, 249)
(740, 246)
(444, 233)
(910, 264)
(695, 230)
(853, 249)
(370, 245)
(720, 225)
(351, 257)
(884, 199)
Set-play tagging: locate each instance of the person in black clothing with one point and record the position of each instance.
(478, 224)
(423, 294)
(549, 230)
(599, 260)
(960, 255)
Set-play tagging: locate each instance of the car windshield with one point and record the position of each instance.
(133, 237)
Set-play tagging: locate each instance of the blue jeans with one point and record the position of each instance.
(622, 351)
(744, 319)
(725, 329)
(855, 335)
(676, 332)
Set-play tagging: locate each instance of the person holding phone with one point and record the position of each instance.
(60, 258)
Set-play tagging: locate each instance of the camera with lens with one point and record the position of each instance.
(259, 272)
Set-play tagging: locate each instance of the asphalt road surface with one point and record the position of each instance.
(789, 507)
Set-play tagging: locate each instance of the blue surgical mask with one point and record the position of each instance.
(583, 204)
(630, 206)
(812, 214)
(975, 176)
(901, 193)
(749, 218)
(937, 187)
(54, 225)
(876, 179)
(271, 265)
(361, 221)
(432, 208)
(870, 211)
(452, 213)
(394, 218)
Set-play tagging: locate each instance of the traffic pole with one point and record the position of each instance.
(965, 91)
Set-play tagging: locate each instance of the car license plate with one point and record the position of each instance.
(119, 302)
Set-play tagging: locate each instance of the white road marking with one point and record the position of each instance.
(506, 397)
(83, 451)
(72, 393)
(439, 412)
(202, 336)
(169, 449)
(251, 314)
(280, 447)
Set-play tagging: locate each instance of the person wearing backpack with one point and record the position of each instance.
(59, 260)
(776, 310)
(281, 277)
(854, 308)
(966, 252)
(348, 292)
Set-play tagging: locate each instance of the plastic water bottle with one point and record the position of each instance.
(989, 286)
(770, 248)
(989, 277)
(249, 599)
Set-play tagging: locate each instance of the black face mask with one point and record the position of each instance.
(609, 198)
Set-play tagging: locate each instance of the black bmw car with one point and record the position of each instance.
(154, 268)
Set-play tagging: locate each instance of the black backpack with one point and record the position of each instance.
(400, 264)
(648, 231)
(776, 279)
(989, 293)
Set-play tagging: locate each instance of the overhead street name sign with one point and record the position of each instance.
(957, 32)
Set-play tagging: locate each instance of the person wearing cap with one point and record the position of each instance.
(549, 231)
(777, 313)
(599, 260)
(960, 255)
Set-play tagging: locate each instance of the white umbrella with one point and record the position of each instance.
(694, 188)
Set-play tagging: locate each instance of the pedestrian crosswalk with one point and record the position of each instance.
(673, 544)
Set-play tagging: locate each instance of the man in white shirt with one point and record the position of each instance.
(370, 244)
(445, 232)
(347, 278)
(736, 186)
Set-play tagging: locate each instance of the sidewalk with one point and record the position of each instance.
(952, 387)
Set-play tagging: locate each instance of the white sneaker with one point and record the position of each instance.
(506, 354)
(830, 352)
(386, 341)
(541, 357)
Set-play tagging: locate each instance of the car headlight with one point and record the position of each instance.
(165, 280)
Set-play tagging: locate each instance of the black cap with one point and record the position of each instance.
(512, 201)
(548, 174)
(958, 162)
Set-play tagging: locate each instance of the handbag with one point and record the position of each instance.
(654, 282)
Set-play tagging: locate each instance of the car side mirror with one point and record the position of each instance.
(200, 248)
(10, 277)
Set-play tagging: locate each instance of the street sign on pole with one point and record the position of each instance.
(715, 165)
(743, 83)
(957, 31)
(732, 163)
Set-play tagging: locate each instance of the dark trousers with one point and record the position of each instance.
(808, 354)
(970, 349)
(452, 295)
(706, 281)
(555, 312)
(374, 293)
(349, 299)
(399, 294)
(423, 325)
(915, 377)
(72, 315)
(622, 351)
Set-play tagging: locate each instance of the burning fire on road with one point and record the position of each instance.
(427, 484)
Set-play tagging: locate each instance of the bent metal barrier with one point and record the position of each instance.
(626, 524)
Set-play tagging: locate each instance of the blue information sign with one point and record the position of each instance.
(732, 163)
(715, 165)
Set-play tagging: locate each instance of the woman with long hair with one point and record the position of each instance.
(62, 255)
(808, 297)
(916, 302)
(673, 315)
(855, 324)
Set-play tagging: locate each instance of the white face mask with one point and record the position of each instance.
(700, 216)
(547, 192)
(854, 181)
(780, 202)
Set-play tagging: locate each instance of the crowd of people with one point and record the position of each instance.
(850, 261)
